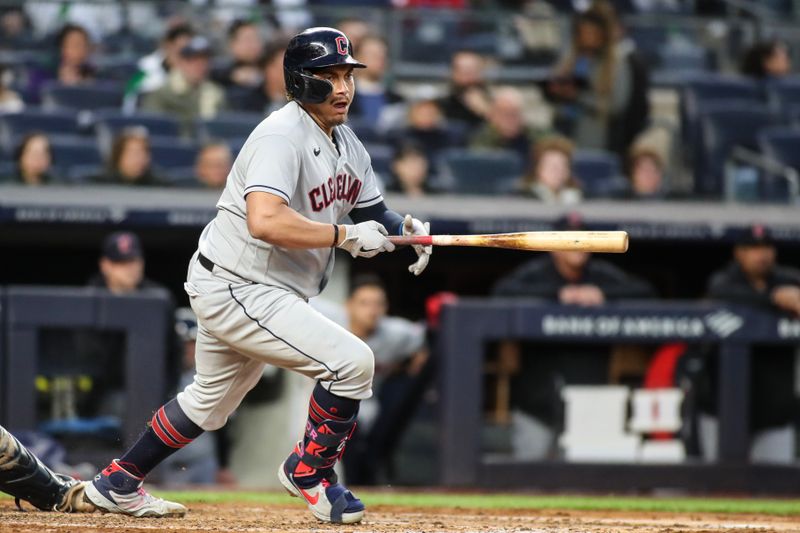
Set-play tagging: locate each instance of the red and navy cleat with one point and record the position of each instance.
(115, 490)
(328, 500)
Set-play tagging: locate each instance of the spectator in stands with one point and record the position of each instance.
(767, 60)
(75, 50)
(130, 162)
(600, 87)
(400, 354)
(646, 173)
(244, 48)
(34, 160)
(188, 93)
(355, 29)
(270, 95)
(755, 279)
(213, 164)
(426, 127)
(10, 101)
(16, 30)
(410, 171)
(122, 265)
(549, 177)
(372, 92)
(572, 278)
(468, 100)
(505, 125)
(154, 68)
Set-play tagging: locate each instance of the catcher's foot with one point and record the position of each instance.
(114, 490)
(327, 500)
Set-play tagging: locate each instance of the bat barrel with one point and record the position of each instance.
(539, 241)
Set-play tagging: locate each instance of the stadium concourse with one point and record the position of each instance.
(677, 121)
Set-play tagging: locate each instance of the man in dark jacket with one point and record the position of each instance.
(755, 279)
(570, 278)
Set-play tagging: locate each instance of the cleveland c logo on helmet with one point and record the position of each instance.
(341, 45)
(313, 49)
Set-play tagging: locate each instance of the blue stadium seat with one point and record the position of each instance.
(116, 68)
(71, 151)
(108, 124)
(183, 177)
(483, 171)
(82, 97)
(15, 125)
(699, 92)
(599, 172)
(381, 156)
(781, 144)
(784, 93)
(169, 153)
(725, 126)
(365, 129)
(229, 125)
(82, 173)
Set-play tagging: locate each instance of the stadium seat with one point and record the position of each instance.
(381, 155)
(181, 177)
(725, 126)
(481, 172)
(82, 97)
(169, 153)
(82, 173)
(701, 91)
(784, 94)
(783, 145)
(15, 125)
(119, 69)
(71, 151)
(365, 129)
(599, 173)
(108, 123)
(229, 126)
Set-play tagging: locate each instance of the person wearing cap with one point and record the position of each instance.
(536, 373)
(573, 278)
(754, 278)
(189, 94)
(122, 265)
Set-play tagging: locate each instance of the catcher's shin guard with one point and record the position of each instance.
(23, 476)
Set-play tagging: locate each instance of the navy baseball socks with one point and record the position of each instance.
(308, 472)
(118, 488)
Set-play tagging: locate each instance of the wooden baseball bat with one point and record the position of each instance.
(537, 241)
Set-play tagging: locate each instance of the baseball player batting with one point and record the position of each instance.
(23, 476)
(269, 249)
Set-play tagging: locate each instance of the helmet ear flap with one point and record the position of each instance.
(305, 88)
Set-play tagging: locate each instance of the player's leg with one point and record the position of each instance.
(221, 381)
(285, 331)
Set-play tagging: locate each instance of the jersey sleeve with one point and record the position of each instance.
(370, 192)
(272, 165)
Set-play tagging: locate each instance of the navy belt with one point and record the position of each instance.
(205, 262)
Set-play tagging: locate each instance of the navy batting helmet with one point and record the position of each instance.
(312, 49)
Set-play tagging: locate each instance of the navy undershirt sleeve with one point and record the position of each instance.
(392, 221)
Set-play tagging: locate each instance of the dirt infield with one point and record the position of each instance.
(225, 517)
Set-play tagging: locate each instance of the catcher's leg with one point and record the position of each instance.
(23, 476)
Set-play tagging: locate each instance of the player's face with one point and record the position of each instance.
(756, 260)
(333, 111)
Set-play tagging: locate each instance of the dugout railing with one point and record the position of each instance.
(468, 325)
(142, 319)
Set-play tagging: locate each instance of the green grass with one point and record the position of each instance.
(512, 501)
(518, 501)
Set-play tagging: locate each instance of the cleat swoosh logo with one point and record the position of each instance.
(311, 499)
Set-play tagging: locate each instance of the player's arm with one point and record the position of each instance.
(271, 220)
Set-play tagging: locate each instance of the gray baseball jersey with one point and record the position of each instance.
(289, 156)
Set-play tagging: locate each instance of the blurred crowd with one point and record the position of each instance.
(96, 93)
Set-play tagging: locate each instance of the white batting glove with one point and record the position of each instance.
(366, 239)
(412, 226)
